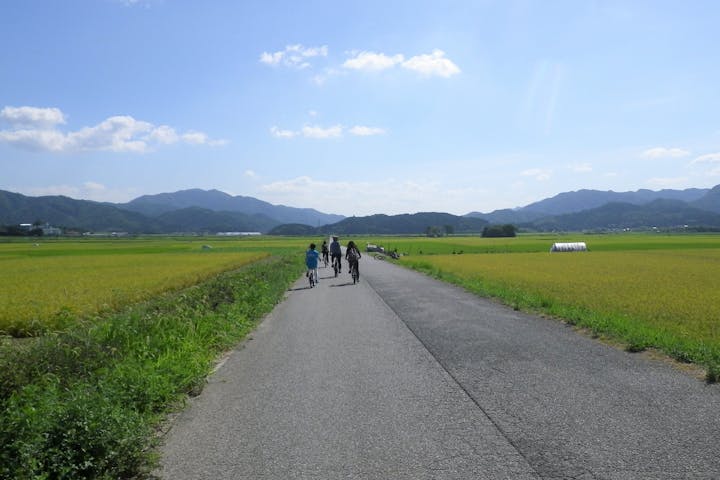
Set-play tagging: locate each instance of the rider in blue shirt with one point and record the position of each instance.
(311, 261)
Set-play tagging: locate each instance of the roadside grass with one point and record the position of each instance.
(665, 299)
(86, 402)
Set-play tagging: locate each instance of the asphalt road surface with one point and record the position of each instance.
(404, 377)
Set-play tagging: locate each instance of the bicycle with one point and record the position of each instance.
(336, 265)
(354, 272)
(312, 277)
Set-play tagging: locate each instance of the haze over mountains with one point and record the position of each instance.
(212, 211)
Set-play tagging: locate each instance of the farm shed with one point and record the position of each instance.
(569, 247)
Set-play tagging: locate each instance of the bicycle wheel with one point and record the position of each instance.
(355, 274)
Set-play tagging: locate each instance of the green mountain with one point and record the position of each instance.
(586, 209)
(196, 219)
(660, 213)
(67, 212)
(294, 229)
(86, 215)
(710, 201)
(215, 200)
(407, 224)
(218, 212)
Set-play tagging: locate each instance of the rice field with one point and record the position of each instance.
(414, 246)
(47, 285)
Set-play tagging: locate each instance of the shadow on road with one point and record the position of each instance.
(298, 288)
(342, 285)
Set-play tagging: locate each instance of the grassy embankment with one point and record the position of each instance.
(85, 401)
(646, 291)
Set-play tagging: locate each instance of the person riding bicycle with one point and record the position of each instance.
(336, 252)
(325, 252)
(352, 255)
(311, 262)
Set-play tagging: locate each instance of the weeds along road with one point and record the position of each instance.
(403, 377)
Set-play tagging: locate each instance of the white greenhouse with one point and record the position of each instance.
(569, 247)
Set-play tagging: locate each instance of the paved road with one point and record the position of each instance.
(405, 377)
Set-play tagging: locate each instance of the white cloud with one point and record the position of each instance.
(37, 129)
(294, 56)
(117, 134)
(365, 198)
(271, 58)
(164, 134)
(32, 116)
(250, 174)
(43, 140)
(708, 158)
(663, 152)
(537, 173)
(371, 61)
(362, 131)
(280, 133)
(319, 132)
(432, 64)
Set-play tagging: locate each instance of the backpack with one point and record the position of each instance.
(352, 255)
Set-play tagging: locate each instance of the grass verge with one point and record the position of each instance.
(85, 403)
(635, 335)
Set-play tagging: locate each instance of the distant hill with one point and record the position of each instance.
(215, 200)
(404, 224)
(165, 213)
(211, 211)
(543, 213)
(659, 213)
(297, 229)
(710, 201)
(67, 212)
(196, 219)
(570, 202)
(507, 215)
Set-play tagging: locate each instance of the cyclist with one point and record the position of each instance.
(352, 255)
(325, 252)
(311, 261)
(336, 253)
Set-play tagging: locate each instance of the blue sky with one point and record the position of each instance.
(358, 107)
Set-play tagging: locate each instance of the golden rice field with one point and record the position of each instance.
(45, 285)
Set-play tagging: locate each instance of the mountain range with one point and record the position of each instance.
(608, 210)
(192, 210)
(211, 211)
